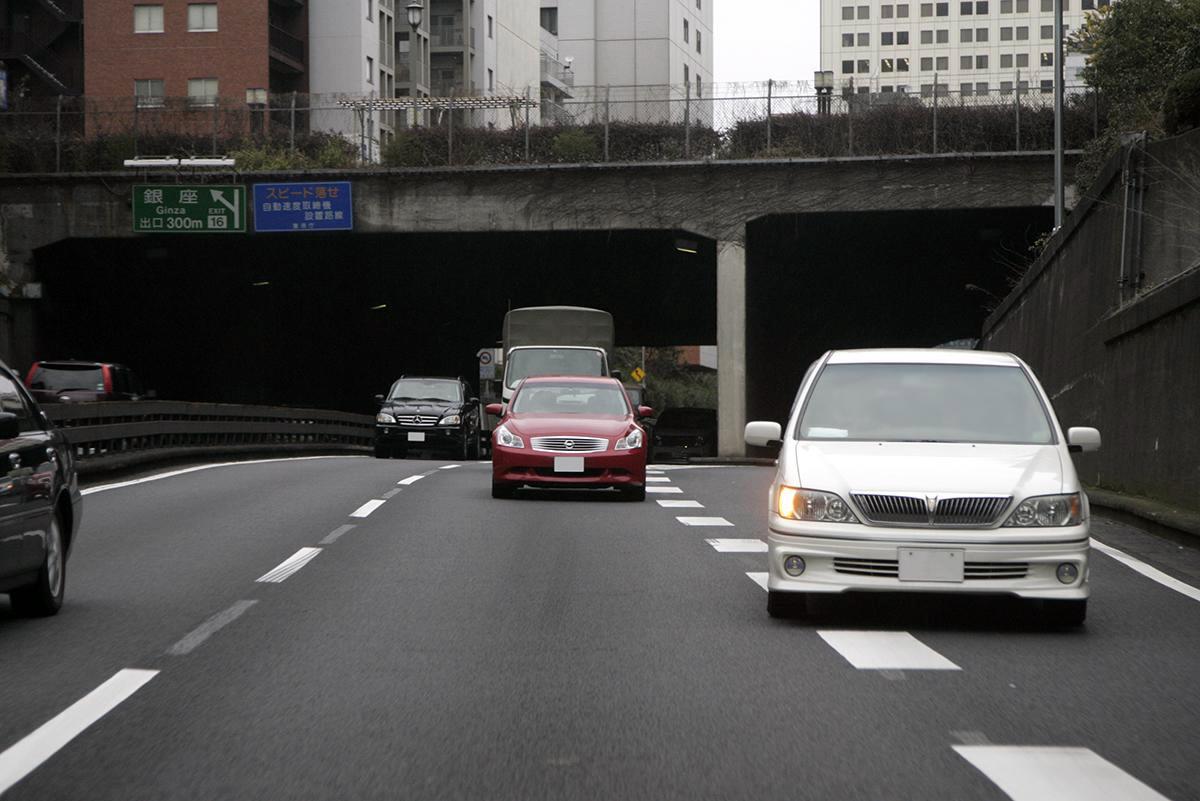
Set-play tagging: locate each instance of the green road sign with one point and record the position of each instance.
(173, 209)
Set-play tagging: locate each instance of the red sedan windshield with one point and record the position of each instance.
(566, 398)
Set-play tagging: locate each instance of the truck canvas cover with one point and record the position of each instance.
(558, 325)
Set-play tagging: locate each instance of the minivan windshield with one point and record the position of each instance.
(595, 399)
(426, 389)
(60, 378)
(925, 403)
(524, 363)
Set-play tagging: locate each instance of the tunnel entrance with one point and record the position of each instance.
(818, 282)
(328, 320)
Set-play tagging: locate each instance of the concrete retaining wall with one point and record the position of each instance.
(1109, 318)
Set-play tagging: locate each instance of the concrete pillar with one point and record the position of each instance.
(731, 348)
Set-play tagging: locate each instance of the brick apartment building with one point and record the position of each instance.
(234, 50)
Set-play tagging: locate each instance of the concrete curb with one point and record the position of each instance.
(1147, 509)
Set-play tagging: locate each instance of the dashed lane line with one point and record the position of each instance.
(368, 507)
(665, 490)
(408, 482)
(677, 504)
(392, 493)
(885, 650)
(449, 467)
(738, 546)
(705, 521)
(196, 637)
(336, 534)
(651, 479)
(288, 567)
(1152, 573)
(759, 578)
(27, 754)
(1042, 773)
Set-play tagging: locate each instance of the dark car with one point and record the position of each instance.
(75, 382)
(427, 413)
(685, 431)
(40, 502)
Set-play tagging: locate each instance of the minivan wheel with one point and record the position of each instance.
(45, 596)
(786, 605)
(1065, 613)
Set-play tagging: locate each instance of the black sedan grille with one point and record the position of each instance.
(416, 420)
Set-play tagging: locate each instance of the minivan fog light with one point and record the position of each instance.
(793, 565)
(1067, 572)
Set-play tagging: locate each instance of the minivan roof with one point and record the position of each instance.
(922, 356)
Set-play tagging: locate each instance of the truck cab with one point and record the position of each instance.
(554, 340)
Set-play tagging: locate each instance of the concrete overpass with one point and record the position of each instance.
(714, 200)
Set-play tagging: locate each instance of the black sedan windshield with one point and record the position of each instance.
(426, 389)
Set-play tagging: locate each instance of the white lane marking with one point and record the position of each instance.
(673, 504)
(336, 534)
(666, 467)
(704, 521)
(1152, 573)
(197, 468)
(759, 578)
(392, 493)
(196, 637)
(449, 466)
(1045, 773)
(289, 566)
(28, 753)
(886, 650)
(667, 490)
(408, 482)
(368, 507)
(738, 546)
(657, 479)
(650, 472)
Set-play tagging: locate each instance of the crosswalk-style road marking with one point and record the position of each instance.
(738, 546)
(759, 578)
(886, 650)
(1042, 773)
(657, 480)
(674, 504)
(704, 521)
(667, 490)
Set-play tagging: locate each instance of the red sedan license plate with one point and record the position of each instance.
(568, 464)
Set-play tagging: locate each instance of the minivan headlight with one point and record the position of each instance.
(1047, 510)
(794, 503)
(630, 441)
(508, 439)
(384, 417)
(451, 420)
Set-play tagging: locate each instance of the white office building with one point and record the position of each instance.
(972, 47)
(638, 52)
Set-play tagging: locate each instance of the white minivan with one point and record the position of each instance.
(926, 470)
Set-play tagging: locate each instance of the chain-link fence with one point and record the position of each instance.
(594, 124)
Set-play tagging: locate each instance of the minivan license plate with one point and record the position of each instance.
(931, 564)
(568, 464)
(416, 436)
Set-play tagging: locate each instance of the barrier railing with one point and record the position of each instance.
(107, 436)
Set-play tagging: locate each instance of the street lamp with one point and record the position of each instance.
(416, 56)
(1059, 190)
(823, 81)
(415, 12)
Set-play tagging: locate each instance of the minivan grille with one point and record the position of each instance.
(570, 444)
(914, 511)
(890, 568)
(415, 420)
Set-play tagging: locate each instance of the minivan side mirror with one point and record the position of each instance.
(495, 409)
(1083, 440)
(10, 426)
(379, 399)
(764, 434)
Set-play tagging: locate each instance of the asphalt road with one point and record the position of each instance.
(560, 647)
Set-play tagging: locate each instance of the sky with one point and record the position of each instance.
(760, 39)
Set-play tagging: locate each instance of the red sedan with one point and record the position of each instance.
(569, 431)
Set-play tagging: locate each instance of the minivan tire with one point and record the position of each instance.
(786, 605)
(1065, 613)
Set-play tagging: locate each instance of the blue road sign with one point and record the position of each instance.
(320, 206)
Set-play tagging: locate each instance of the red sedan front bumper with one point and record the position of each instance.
(518, 466)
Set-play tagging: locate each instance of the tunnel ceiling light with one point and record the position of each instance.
(261, 283)
(152, 162)
(207, 162)
(380, 307)
(687, 246)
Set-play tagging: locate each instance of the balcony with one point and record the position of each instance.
(446, 36)
(557, 74)
(287, 49)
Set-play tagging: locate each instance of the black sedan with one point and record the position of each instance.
(424, 413)
(40, 503)
(683, 432)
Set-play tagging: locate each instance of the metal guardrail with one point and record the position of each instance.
(115, 435)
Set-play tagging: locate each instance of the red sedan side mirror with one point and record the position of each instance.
(495, 409)
(645, 411)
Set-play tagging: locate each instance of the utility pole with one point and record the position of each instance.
(1059, 189)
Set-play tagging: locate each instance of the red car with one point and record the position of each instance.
(569, 431)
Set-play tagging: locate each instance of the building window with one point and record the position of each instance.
(926, 37)
(1006, 61)
(864, 40)
(981, 7)
(902, 65)
(371, 10)
(902, 11)
(966, 35)
(1047, 59)
(966, 7)
(147, 19)
(847, 40)
(1022, 33)
(202, 91)
(864, 12)
(887, 38)
(847, 67)
(887, 12)
(964, 62)
(965, 89)
(699, 86)
(981, 88)
(550, 20)
(1022, 6)
(491, 27)
(699, 41)
(887, 65)
(943, 63)
(1022, 59)
(981, 62)
(1006, 34)
(687, 76)
(149, 92)
(847, 13)
(1047, 31)
(1006, 87)
(1006, 6)
(981, 34)
(864, 66)
(926, 9)
(202, 16)
(943, 36)
(926, 63)
(943, 9)
(685, 31)
(901, 37)
(1048, 87)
